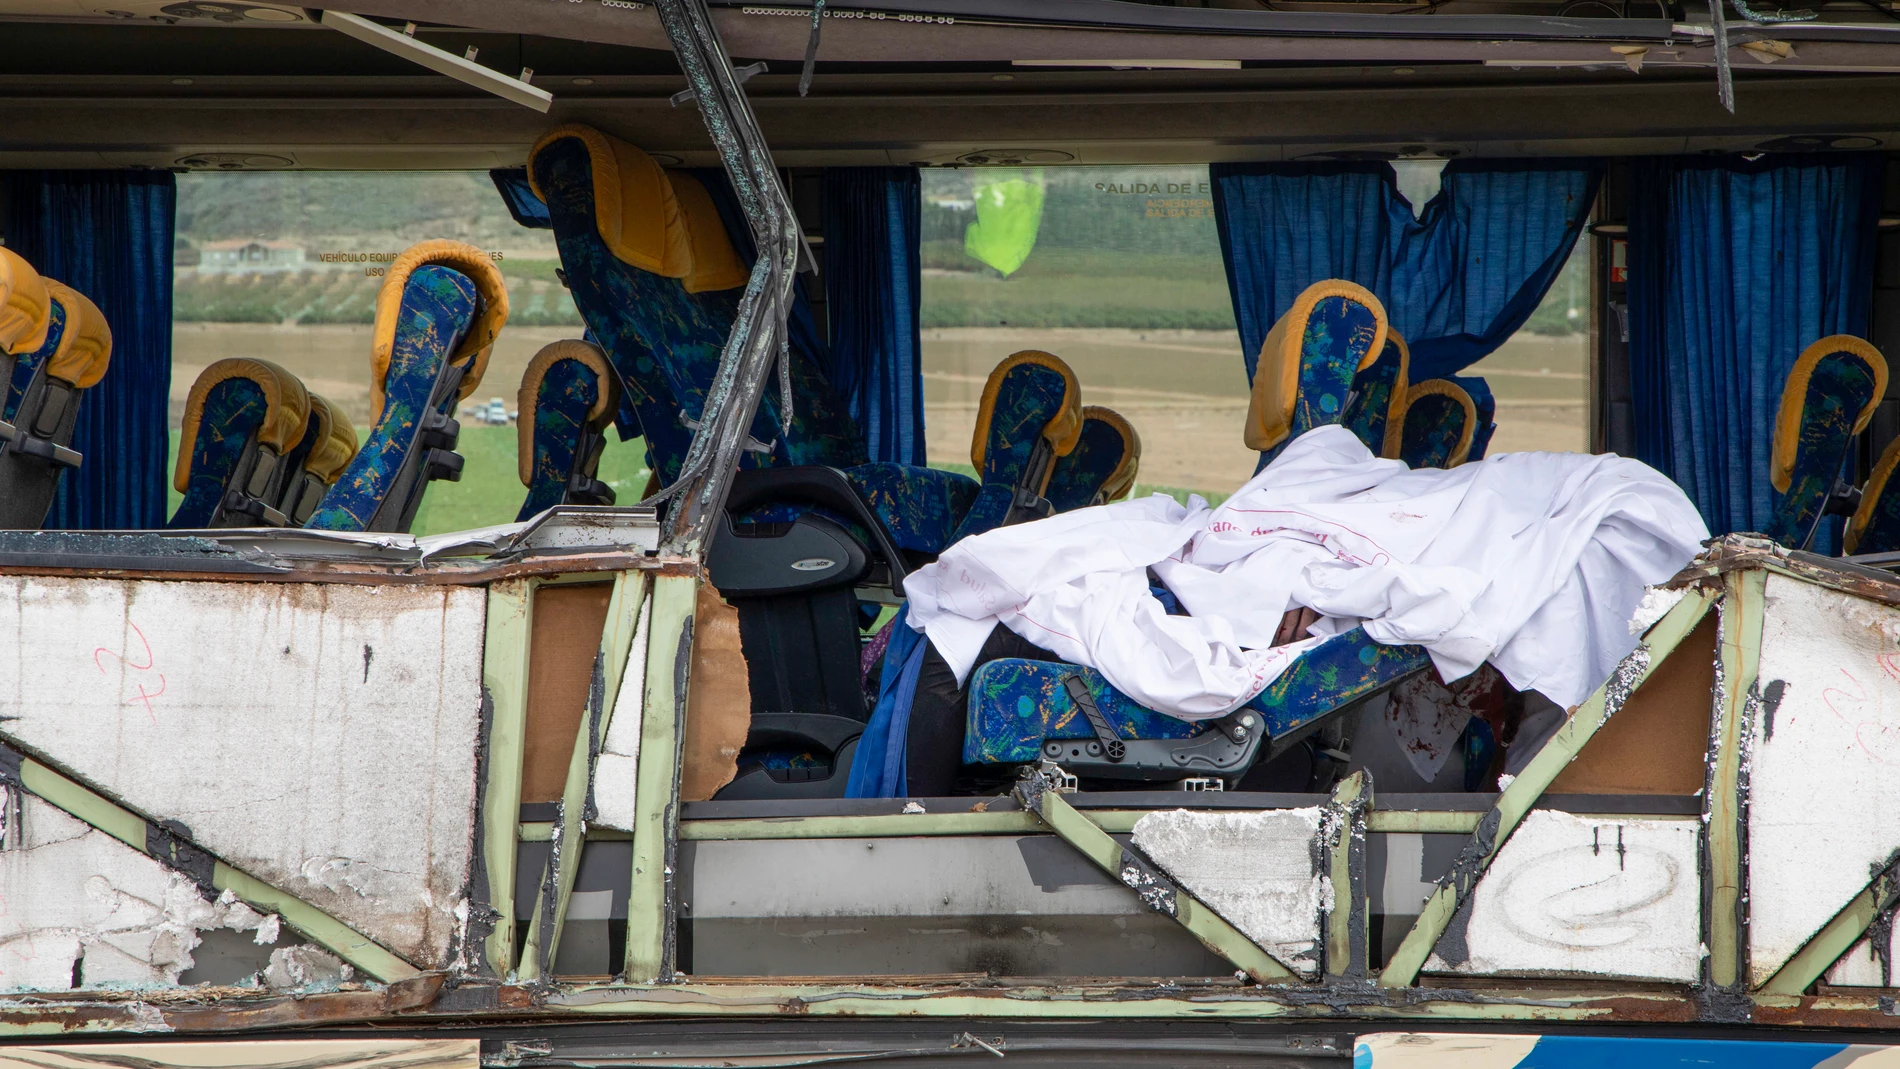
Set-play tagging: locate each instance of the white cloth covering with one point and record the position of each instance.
(1533, 561)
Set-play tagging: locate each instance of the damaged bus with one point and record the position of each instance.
(689, 533)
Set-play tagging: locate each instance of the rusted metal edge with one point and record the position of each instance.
(1343, 844)
(371, 575)
(227, 1009)
(1741, 552)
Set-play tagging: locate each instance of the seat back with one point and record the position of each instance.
(656, 278)
(242, 418)
(1829, 398)
(1102, 466)
(1437, 425)
(568, 397)
(1030, 414)
(327, 447)
(1378, 395)
(42, 398)
(1018, 707)
(1309, 360)
(437, 316)
(1487, 406)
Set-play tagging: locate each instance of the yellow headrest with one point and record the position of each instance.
(635, 206)
(1122, 479)
(1062, 432)
(716, 264)
(1445, 388)
(24, 308)
(1395, 412)
(286, 408)
(606, 402)
(1870, 497)
(85, 344)
(336, 441)
(1276, 377)
(476, 344)
(1795, 393)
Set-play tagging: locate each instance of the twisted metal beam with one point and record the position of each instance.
(758, 331)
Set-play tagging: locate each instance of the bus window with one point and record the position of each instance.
(1118, 271)
(285, 266)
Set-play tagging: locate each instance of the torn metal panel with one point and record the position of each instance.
(321, 738)
(1584, 896)
(1257, 870)
(1823, 800)
(79, 909)
(376, 1053)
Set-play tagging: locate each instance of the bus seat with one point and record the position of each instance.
(655, 276)
(1378, 393)
(327, 447)
(43, 395)
(1021, 711)
(1487, 406)
(1309, 361)
(1030, 414)
(1829, 398)
(568, 397)
(1875, 525)
(25, 308)
(1102, 466)
(1437, 425)
(438, 313)
(242, 418)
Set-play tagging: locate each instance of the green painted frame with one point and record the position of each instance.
(130, 828)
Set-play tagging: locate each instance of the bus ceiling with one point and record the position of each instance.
(156, 83)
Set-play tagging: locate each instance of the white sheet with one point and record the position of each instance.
(1533, 561)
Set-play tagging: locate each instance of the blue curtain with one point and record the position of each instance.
(1734, 268)
(1456, 281)
(873, 228)
(108, 234)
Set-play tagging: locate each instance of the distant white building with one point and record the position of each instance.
(242, 257)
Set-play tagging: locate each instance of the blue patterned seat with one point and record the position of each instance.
(42, 396)
(1030, 415)
(1437, 425)
(568, 397)
(1310, 361)
(242, 418)
(1378, 394)
(1829, 398)
(438, 313)
(1487, 406)
(314, 465)
(655, 276)
(1102, 466)
(1022, 710)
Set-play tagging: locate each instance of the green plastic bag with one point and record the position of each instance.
(1008, 215)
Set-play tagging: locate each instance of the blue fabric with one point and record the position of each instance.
(1031, 396)
(1481, 396)
(1080, 476)
(1735, 267)
(1337, 335)
(920, 507)
(108, 234)
(878, 770)
(233, 411)
(1016, 704)
(25, 365)
(1456, 281)
(1372, 395)
(1622, 1052)
(526, 208)
(565, 395)
(438, 306)
(873, 293)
